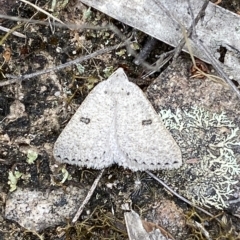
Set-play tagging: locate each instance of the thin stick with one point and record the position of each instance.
(83, 26)
(176, 194)
(8, 33)
(215, 63)
(178, 49)
(78, 60)
(89, 195)
(43, 11)
(56, 24)
(18, 34)
(163, 59)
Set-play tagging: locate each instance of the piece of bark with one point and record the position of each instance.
(137, 229)
(218, 29)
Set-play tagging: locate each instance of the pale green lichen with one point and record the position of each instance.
(66, 175)
(80, 68)
(208, 138)
(108, 71)
(121, 52)
(13, 179)
(87, 14)
(31, 156)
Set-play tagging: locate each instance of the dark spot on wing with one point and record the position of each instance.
(128, 93)
(73, 159)
(213, 138)
(60, 203)
(65, 159)
(175, 162)
(85, 120)
(147, 122)
(105, 92)
(166, 163)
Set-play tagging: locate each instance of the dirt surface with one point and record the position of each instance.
(34, 111)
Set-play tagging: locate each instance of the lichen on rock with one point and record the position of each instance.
(207, 143)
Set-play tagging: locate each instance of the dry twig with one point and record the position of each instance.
(211, 58)
(17, 34)
(75, 61)
(89, 195)
(43, 11)
(177, 195)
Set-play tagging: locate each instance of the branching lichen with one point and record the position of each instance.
(13, 179)
(208, 138)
